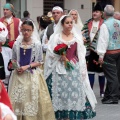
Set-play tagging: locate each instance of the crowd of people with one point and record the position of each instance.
(49, 71)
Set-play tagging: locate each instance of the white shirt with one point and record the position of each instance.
(103, 40)
(94, 29)
(44, 45)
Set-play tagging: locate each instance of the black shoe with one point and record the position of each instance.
(119, 97)
(110, 101)
(104, 99)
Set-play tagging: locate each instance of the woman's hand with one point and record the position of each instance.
(22, 69)
(63, 58)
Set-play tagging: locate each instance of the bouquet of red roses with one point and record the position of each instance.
(61, 49)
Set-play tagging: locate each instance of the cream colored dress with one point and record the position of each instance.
(28, 92)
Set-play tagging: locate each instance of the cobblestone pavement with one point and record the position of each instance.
(105, 112)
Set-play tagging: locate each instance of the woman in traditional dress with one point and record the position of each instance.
(27, 89)
(71, 94)
(77, 20)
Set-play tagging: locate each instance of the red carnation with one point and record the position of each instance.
(61, 49)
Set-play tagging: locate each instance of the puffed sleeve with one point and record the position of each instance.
(3, 32)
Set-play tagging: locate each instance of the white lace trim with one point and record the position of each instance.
(78, 99)
(69, 43)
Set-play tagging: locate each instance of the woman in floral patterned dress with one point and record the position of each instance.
(71, 94)
(28, 91)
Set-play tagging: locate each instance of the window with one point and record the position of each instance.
(49, 4)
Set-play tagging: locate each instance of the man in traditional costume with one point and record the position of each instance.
(91, 32)
(108, 49)
(57, 12)
(12, 23)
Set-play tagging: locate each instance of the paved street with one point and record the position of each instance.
(105, 112)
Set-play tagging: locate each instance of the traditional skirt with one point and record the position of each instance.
(92, 66)
(30, 97)
(68, 96)
(2, 71)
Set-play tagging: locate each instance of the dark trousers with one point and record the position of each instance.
(112, 73)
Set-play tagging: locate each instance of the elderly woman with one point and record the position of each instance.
(77, 20)
(71, 94)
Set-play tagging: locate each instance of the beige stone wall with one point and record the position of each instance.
(35, 7)
(85, 13)
(2, 3)
(117, 5)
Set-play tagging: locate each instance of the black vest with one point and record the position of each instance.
(50, 30)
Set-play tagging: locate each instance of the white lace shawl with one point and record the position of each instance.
(36, 55)
(52, 62)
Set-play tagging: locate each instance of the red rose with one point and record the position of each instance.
(60, 46)
(61, 49)
(0, 29)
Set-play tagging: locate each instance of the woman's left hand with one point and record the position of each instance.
(22, 69)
